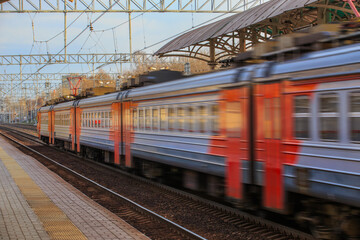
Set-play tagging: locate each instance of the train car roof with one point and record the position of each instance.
(194, 84)
(99, 100)
(46, 108)
(64, 105)
(344, 55)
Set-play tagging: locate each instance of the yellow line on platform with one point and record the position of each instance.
(54, 220)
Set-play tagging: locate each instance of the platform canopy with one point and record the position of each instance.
(232, 35)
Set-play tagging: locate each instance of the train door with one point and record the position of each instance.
(51, 125)
(125, 122)
(73, 127)
(39, 124)
(234, 110)
(270, 113)
(127, 133)
(116, 129)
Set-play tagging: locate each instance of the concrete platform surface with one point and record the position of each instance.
(35, 203)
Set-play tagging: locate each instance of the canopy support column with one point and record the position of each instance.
(212, 63)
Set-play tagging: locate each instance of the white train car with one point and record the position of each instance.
(44, 125)
(98, 127)
(64, 125)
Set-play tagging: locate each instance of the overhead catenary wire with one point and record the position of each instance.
(60, 33)
(77, 36)
(146, 47)
(178, 34)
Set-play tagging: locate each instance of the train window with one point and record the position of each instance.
(180, 118)
(171, 118)
(88, 120)
(301, 117)
(163, 118)
(98, 114)
(135, 119)
(355, 116)
(141, 119)
(103, 120)
(106, 121)
(110, 119)
(147, 119)
(202, 115)
(93, 118)
(191, 119)
(214, 119)
(267, 118)
(328, 116)
(233, 119)
(155, 118)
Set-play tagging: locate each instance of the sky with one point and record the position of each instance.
(18, 35)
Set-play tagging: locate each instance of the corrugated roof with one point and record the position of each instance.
(236, 22)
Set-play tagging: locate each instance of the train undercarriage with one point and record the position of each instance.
(325, 220)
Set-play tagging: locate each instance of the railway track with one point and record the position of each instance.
(209, 219)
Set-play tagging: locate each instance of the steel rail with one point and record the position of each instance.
(135, 206)
(290, 232)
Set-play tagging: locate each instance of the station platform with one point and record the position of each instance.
(35, 203)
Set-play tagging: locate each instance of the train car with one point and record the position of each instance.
(307, 141)
(64, 125)
(193, 129)
(98, 128)
(281, 135)
(45, 124)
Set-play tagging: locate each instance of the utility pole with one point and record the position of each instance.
(11, 106)
(65, 23)
(130, 46)
(21, 84)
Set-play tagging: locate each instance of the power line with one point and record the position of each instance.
(178, 34)
(69, 24)
(39, 69)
